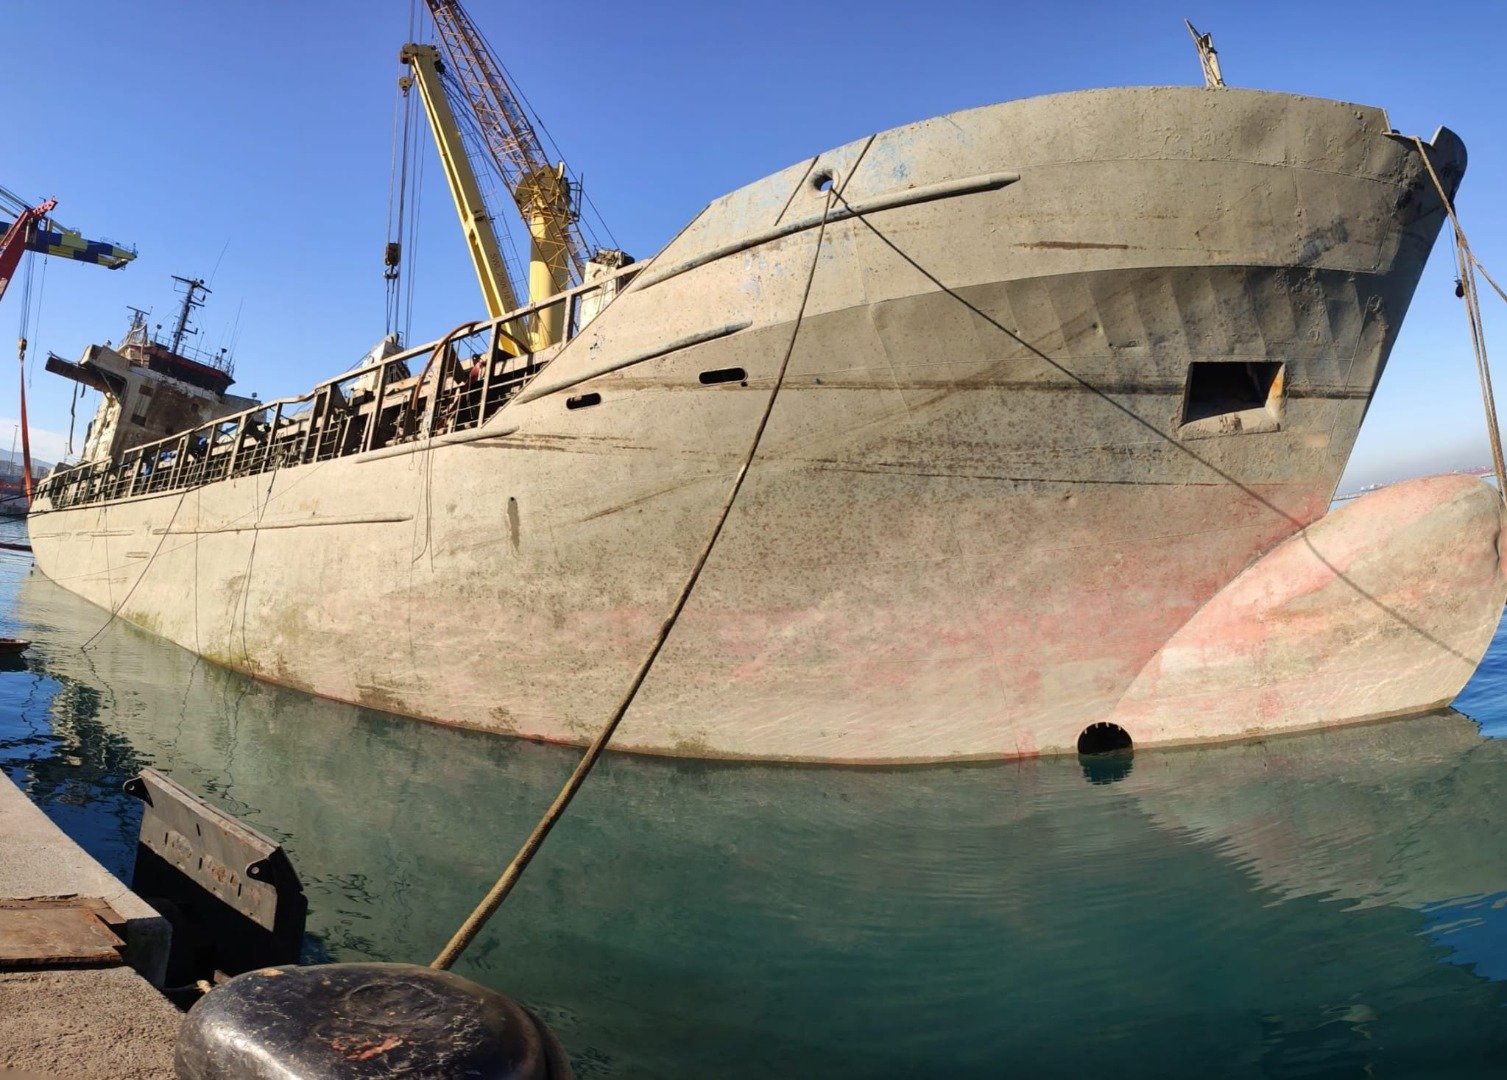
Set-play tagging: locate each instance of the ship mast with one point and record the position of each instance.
(192, 288)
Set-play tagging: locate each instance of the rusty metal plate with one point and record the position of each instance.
(244, 869)
(52, 933)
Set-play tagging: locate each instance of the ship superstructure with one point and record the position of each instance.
(151, 389)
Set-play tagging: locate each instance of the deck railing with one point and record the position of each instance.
(452, 385)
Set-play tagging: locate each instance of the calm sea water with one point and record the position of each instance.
(1318, 905)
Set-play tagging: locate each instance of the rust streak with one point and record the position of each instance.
(382, 1047)
(1073, 245)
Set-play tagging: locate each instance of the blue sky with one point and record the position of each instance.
(251, 142)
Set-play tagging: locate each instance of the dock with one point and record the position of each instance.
(79, 956)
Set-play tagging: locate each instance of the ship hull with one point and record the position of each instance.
(991, 491)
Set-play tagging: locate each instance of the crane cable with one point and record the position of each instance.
(478, 918)
(33, 288)
(416, 165)
(397, 188)
(1467, 264)
(27, 321)
(397, 193)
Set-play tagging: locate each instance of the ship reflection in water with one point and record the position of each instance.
(1306, 905)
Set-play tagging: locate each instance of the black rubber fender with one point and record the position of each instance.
(363, 1020)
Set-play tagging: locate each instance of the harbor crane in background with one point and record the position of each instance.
(33, 231)
(543, 192)
(18, 238)
(50, 238)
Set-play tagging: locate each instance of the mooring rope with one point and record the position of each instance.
(504, 885)
(115, 609)
(1468, 264)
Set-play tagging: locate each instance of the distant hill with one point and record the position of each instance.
(10, 464)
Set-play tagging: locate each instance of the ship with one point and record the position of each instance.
(1059, 394)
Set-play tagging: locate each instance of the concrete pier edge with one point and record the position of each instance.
(107, 1022)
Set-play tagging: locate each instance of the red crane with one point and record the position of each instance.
(12, 247)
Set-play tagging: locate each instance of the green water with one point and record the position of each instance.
(1317, 905)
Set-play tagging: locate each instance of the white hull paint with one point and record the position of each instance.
(977, 518)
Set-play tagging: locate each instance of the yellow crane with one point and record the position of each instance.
(541, 190)
(475, 218)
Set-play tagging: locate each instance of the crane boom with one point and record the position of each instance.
(26, 234)
(541, 190)
(16, 239)
(67, 244)
(475, 220)
(50, 238)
